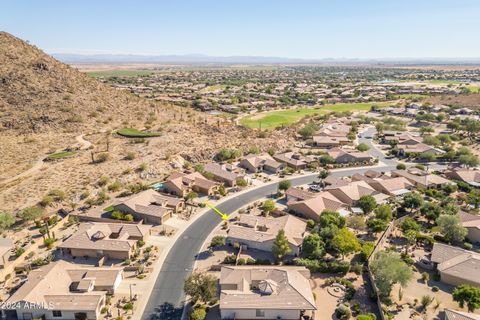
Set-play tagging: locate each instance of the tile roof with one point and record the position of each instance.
(460, 315)
(281, 288)
(457, 262)
(299, 193)
(261, 229)
(53, 284)
(106, 236)
(219, 171)
(470, 220)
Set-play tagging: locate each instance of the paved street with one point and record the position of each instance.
(167, 298)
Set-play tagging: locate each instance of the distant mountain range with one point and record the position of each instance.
(205, 59)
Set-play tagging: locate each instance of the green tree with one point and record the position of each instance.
(268, 206)
(431, 211)
(345, 242)
(388, 268)
(200, 287)
(451, 227)
(284, 185)
(467, 294)
(6, 220)
(412, 201)
(362, 147)
(366, 250)
(469, 160)
(473, 198)
(198, 313)
(427, 156)
(242, 182)
(409, 224)
(308, 131)
(384, 212)
(411, 236)
(281, 247)
(313, 247)
(367, 203)
(31, 213)
(191, 195)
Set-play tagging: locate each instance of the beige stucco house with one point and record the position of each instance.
(455, 265)
(61, 290)
(265, 292)
(110, 240)
(257, 232)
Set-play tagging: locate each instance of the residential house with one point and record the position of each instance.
(352, 192)
(62, 290)
(224, 173)
(342, 156)
(293, 160)
(258, 232)
(470, 176)
(110, 240)
(181, 184)
(405, 149)
(330, 142)
(6, 246)
(455, 265)
(472, 223)
(258, 163)
(421, 178)
(297, 194)
(460, 315)
(150, 206)
(397, 187)
(312, 207)
(266, 292)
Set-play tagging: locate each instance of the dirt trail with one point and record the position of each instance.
(84, 144)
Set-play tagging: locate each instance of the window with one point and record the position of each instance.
(57, 313)
(260, 313)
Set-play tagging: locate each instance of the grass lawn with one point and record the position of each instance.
(134, 133)
(61, 155)
(120, 73)
(411, 96)
(213, 88)
(274, 119)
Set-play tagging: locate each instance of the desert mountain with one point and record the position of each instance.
(48, 106)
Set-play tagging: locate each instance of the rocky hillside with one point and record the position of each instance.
(47, 106)
(39, 93)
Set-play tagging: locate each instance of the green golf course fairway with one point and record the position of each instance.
(278, 118)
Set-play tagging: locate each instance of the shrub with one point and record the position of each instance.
(435, 289)
(102, 157)
(369, 316)
(115, 186)
(310, 224)
(217, 241)
(140, 243)
(343, 311)
(19, 252)
(356, 268)
(198, 313)
(424, 276)
(230, 259)
(128, 306)
(130, 156)
(49, 242)
(241, 261)
(333, 266)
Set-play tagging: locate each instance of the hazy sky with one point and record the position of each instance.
(290, 28)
